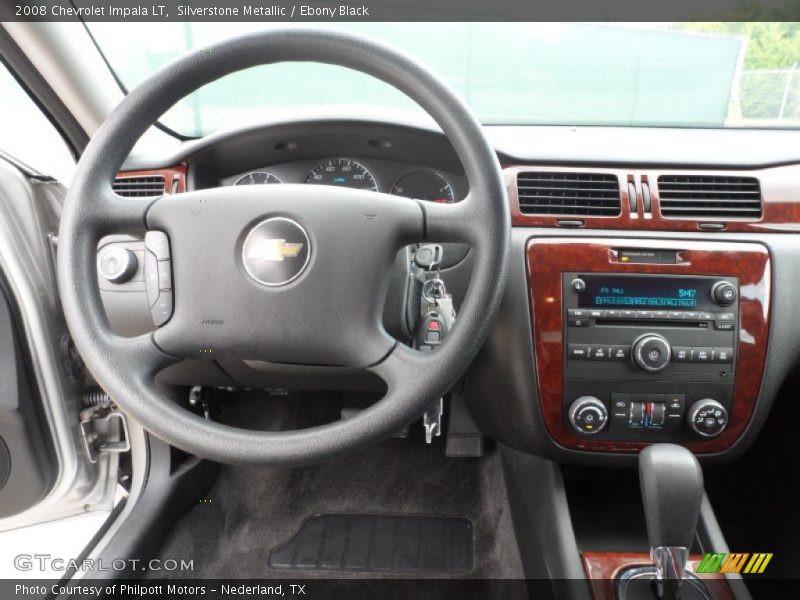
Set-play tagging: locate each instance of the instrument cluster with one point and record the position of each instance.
(393, 177)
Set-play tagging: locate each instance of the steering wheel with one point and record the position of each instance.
(291, 274)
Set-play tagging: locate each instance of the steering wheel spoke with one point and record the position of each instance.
(395, 366)
(143, 350)
(118, 214)
(458, 222)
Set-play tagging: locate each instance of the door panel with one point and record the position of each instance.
(27, 461)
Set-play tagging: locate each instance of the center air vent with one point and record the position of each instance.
(712, 196)
(568, 193)
(150, 185)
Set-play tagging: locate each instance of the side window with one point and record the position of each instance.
(28, 135)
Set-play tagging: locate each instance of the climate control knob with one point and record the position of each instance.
(588, 415)
(707, 417)
(651, 352)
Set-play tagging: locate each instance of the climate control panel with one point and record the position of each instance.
(648, 357)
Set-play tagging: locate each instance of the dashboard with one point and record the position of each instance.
(658, 231)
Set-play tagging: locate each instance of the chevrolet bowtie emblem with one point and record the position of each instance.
(274, 250)
(268, 246)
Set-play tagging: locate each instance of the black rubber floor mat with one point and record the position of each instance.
(378, 543)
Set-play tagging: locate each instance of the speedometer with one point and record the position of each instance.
(257, 178)
(423, 184)
(342, 172)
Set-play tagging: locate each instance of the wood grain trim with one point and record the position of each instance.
(174, 177)
(779, 188)
(547, 258)
(602, 567)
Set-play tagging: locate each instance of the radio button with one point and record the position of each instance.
(596, 313)
(611, 314)
(578, 352)
(724, 325)
(676, 314)
(726, 316)
(577, 313)
(682, 354)
(582, 322)
(723, 355)
(628, 314)
(703, 355)
(619, 352)
(660, 314)
(598, 352)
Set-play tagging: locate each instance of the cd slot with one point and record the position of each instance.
(650, 323)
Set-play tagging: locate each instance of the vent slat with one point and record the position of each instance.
(563, 199)
(717, 196)
(706, 192)
(715, 209)
(699, 199)
(570, 206)
(682, 185)
(570, 190)
(571, 194)
(139, 187)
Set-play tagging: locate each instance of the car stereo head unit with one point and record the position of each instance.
(648, 357)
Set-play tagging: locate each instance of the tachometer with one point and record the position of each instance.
(423, 184)
(342, 172)
(257, 178)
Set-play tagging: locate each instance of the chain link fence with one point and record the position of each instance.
(767, 97)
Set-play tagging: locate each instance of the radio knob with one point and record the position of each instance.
(578, 284)
(707, 417)
(723, 293)
(651, 352)
(588, 415)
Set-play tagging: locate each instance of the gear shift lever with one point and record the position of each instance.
(672, 491)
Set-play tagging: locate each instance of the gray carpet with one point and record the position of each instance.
(250, 511)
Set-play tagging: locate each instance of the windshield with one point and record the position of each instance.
(630, 74)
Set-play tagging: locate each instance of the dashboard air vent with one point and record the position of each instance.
(149, 185)
(568, 193)
(710, 196)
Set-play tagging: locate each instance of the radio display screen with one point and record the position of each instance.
(646, 292)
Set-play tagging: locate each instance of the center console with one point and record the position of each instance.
(673, 334)
(643, 341)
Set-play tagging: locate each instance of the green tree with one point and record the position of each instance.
(769, 45)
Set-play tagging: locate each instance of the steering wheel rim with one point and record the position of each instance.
(126, 367)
